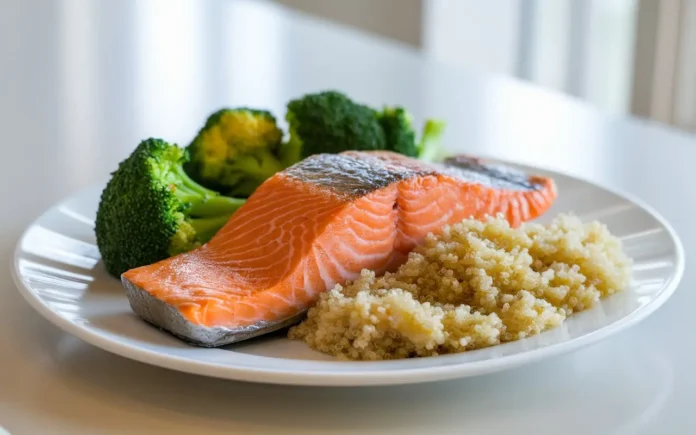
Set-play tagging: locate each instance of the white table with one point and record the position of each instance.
(79, 87)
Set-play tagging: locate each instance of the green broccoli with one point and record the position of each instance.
(397, 123)
(430, 146)
(330, 122)
(151, 209)
(236, 150)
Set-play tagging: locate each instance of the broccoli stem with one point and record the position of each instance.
(218, 206)
(187, 184)
(203, 202)
(207, 227)
(430, 144)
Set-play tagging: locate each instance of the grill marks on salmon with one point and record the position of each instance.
(317, 224)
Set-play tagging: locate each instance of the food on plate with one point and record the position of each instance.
(233, 153)
(430, 147)
(476, 284)
(397, 125)
(330, 122)
(151, 209)
(316, 224)
(390, 245)
(236, 150)
(401, 138)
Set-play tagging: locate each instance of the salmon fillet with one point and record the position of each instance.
(314, 225)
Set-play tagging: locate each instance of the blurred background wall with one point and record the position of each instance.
(396, 19)
(622, 56)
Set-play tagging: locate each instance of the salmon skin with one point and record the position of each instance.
(317, 224)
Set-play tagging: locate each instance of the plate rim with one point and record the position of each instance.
(375, 376)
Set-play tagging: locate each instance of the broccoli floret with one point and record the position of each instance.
(236, 150)
(398, 129)
(151, 209)
(397, 123)
(330, 122)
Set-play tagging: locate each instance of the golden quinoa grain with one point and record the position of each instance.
(477, 284)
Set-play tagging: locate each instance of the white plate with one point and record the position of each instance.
(58, 271)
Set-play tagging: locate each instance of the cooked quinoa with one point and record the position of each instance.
(476, 284)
